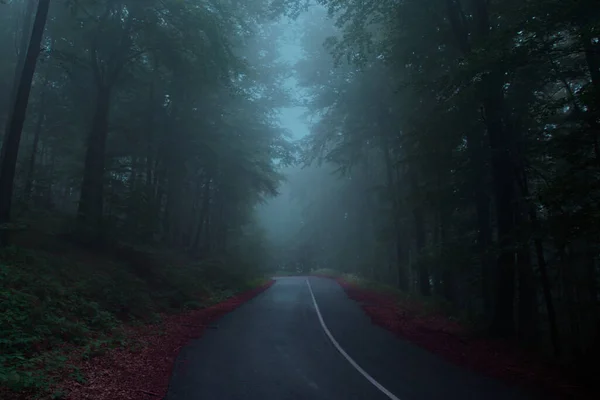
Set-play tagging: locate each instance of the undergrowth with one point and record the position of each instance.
(422, 305)
(54, 305)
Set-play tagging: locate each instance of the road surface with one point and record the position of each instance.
(279, 347)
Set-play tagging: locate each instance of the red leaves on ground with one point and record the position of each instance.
(446, 338)
(143, 373)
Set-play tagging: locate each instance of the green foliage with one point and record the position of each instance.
(170, 105)
(50, 304)
(40, 310)
(190, 119)
(424, 100)
(187, 148)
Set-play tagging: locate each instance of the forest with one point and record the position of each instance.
(452, 153)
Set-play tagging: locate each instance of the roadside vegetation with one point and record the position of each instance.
(137, 138)
(433, 324)
(63, 306)
(453, 154)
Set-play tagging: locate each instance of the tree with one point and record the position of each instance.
(10, 144)
(477, 142)
(181, 133)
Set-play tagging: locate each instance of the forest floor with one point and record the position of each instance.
(78, 324)
(426, 325)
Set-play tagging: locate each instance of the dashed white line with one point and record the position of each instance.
(364, 373)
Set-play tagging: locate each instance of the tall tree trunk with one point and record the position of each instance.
(570, 293)
(492, 99)
(49, 198)
(150, 136)
(530, 210)
(545, 282)
(41, 117)
(175, 192)
(157, 177)
(448, 275)
(32, 156)
(106, 73)
(424, 284)
(478, 153)
(91, 200)
(401, 270)
(527, 305)
(419, 226)
(206, 225)
(491, 92)
(592, 278)
(202, 217)
(503, 184)
(442, 212)
(21, 55)
(12, 139)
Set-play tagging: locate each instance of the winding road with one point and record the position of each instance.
(304, 339)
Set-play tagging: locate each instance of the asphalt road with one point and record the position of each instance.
(275, 348)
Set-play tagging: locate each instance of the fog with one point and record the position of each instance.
(285, 217)
(444, 151)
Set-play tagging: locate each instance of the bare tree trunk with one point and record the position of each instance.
(545, 282)
(150, 136)
(448, 275)
(419, 226)
(41, 117)
(401, 271)
(21, 54)
(492, 100)
(91, 200)
(106, 73)
(12, 139)
(570, 293)
(527, 305)
(478, 153)
(541, 263)
(202, 217)
(491, 91)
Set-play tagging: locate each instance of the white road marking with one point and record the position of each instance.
(364, 373)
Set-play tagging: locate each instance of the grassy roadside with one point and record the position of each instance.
(417, 304)
(430, 324)
(63, 301)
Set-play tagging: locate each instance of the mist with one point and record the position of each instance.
(324, 172)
